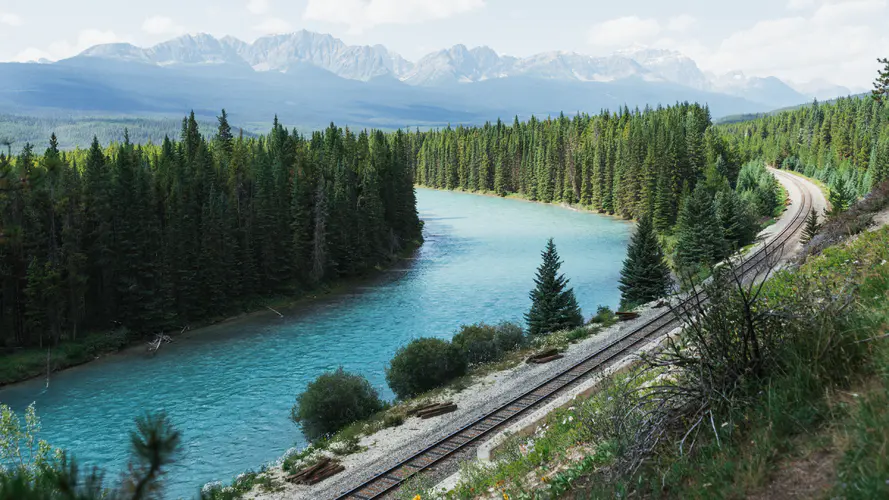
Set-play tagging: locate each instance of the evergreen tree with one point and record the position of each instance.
(553, 305)
(645, 275)
(811, 228)
(699, 234)
(841, 197)
(881, 84)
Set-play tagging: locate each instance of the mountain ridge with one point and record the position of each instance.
(459, 64)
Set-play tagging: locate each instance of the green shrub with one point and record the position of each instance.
(422, 365)
(478, 343)
(509, 336)
(604, 316)
(333, 401)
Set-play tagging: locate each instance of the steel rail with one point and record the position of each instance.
(471, 433)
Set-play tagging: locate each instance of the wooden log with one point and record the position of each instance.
(441, 410)
(316, 473)
(626, 316)
(546, 359)
(418, 409)
(545, 354)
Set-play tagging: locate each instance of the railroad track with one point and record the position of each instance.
(474, 432)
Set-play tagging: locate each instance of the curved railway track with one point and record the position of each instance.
(474, 432)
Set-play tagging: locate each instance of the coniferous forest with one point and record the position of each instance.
(152, 237)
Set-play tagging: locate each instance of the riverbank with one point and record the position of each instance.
(32, 363)
(519, 197)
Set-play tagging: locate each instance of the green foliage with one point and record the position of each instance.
(31, 470)
(155, 237)
(477, 343)
(481, 343)
(700, 239)
(630, 163)
(881, 84)
(332, 401)
(645, 275)
(841, 197)
(553, 305)
(811, 228)
(422, 365)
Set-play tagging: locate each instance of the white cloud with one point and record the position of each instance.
(62, 49)
(681, 22)
(273, 25)
(10, 19)
(258, 6)
(840, 40)
(800, 4)
(623, 31)
(363, 14)
(160, 25)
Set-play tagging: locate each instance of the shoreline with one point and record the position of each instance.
(518, 197)
(135, 346)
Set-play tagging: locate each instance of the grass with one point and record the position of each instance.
(820, 424)
(29, 363)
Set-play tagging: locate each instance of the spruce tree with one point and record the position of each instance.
(841, 196)
(881, 84)
(645, 275)
(553, 305)
(700, 235)
(811, 228)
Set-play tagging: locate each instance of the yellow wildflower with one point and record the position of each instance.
(418, 497)
(505, 496)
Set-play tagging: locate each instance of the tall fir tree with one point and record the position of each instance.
(553, 305)
(645, 275)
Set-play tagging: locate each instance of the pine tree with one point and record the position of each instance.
(645, 275)
(700, 239)
(811, 228)
(881, 84)
(553, 306)
(841, 196)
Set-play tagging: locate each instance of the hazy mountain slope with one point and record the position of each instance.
(458, 64)
(309, 97)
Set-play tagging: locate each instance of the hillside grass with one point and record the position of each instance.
(804, 432)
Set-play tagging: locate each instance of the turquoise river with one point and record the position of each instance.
(229, 388)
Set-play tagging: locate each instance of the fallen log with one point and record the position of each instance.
(626, 316)
(545, 357)
(426, 407)
(316, 473)
(438, 410)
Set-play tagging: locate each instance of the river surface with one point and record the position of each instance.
(229, 388)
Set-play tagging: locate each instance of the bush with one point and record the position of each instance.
(422, 365)
(478, 343)
(509, 336)
(333, 401)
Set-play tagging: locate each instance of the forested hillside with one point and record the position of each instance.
(78, 131)
(629, 163)
(844, 143)
(154, 237)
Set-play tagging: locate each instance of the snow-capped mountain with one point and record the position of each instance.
(459, 64)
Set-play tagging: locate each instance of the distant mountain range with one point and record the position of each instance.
(309, 79)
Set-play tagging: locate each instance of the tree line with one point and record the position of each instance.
(154, 237)
(629, 163)
(844, 144)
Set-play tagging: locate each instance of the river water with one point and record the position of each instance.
(229, 388)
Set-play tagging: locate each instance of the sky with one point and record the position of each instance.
(797, 40)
